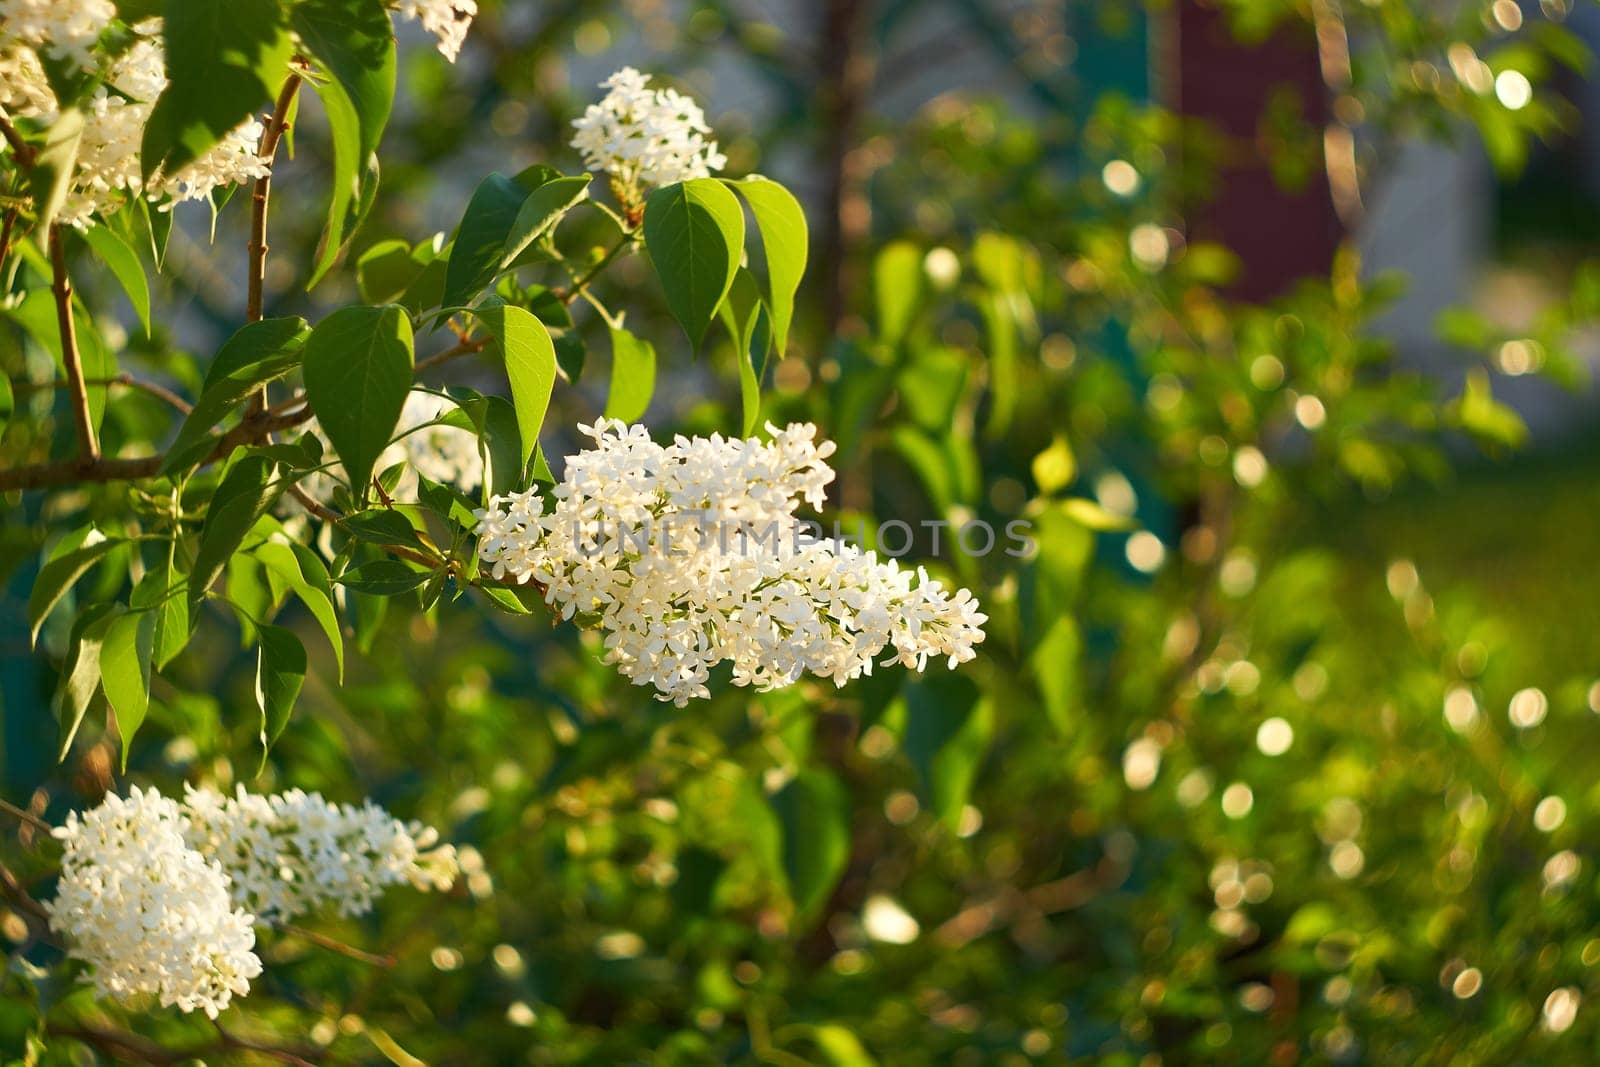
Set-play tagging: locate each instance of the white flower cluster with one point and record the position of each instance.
(645, 137)
(65, 29)
(161, 898)
(690, 554)
(294, 853)
(108, 166)
(149, 914)
(436, 450)
(448, 20)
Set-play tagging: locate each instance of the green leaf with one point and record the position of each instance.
(633, 376)
(8, 403)
(897, 286)
(354, 42)
(694, 231)
(383, 577)
(947, 734)
(50, 178)
(357, 372)
(258, 353)
(480, 239)
(125, 672)
(383, 526)
(224, 63)
(530, 360)
(160, 595)
(1095, 516)
(80, 673)
(1055, 468)
(59, 575)
(539, 214)
(746, 319)
(814, 809)
(785, 243)
(280, 672)
(1055, 663)
(384, 271)
(307, 576)
(247, 492)
(124, 263)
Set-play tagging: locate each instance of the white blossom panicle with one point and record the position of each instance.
(645, 137)
(150, 915)
(294, 852)
(448, 20)
(108, 168)
(690, 554)
(65, 29)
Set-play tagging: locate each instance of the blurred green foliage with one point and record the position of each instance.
(1275, 750)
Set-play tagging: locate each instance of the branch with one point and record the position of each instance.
(465, 348)
(160, 392)
(28, 817)
(23, 150)
(128, 1047)
(257, 278)
(88, 446)
(73, 472)
(335, 945)
(593, 272)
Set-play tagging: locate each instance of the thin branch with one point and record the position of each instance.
(335, 945)
(22, 815)
(465, 348)
(23, 150)
(19, 896)
(160, 392)
(5, 234)
(593, 272)
(74, 472)
(257, 278)
(88, 446)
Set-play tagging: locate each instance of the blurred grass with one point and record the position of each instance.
(1521, 540)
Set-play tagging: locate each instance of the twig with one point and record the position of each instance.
(465, 348)
(335, 945)
(20, 897)
(129, 1047)
(23, 150)
(5, 234)
(160, 392)
(22, 815)
(583, 280)
(256, 281)
(72, 471)
(88, 446)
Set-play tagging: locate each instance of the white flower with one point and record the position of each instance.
(645, 137)
(293, 853)
(689, 555)
(448, 20)
(150, 915)
(108, 169)
(66, 29)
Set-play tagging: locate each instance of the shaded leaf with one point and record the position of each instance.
(280, 672)
(258, 353)
(358, 364)
(246, 493)
(694, 231)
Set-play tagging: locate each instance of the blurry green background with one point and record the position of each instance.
(1278, 750)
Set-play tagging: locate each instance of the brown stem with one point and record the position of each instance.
(23, 150)
(160, 392)
(19, 896)
(88, 446)
(5, 234)
(72, 472)
(465, 348)
(256, 281)
(846, 79)
(24, 816)
(335, 945)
